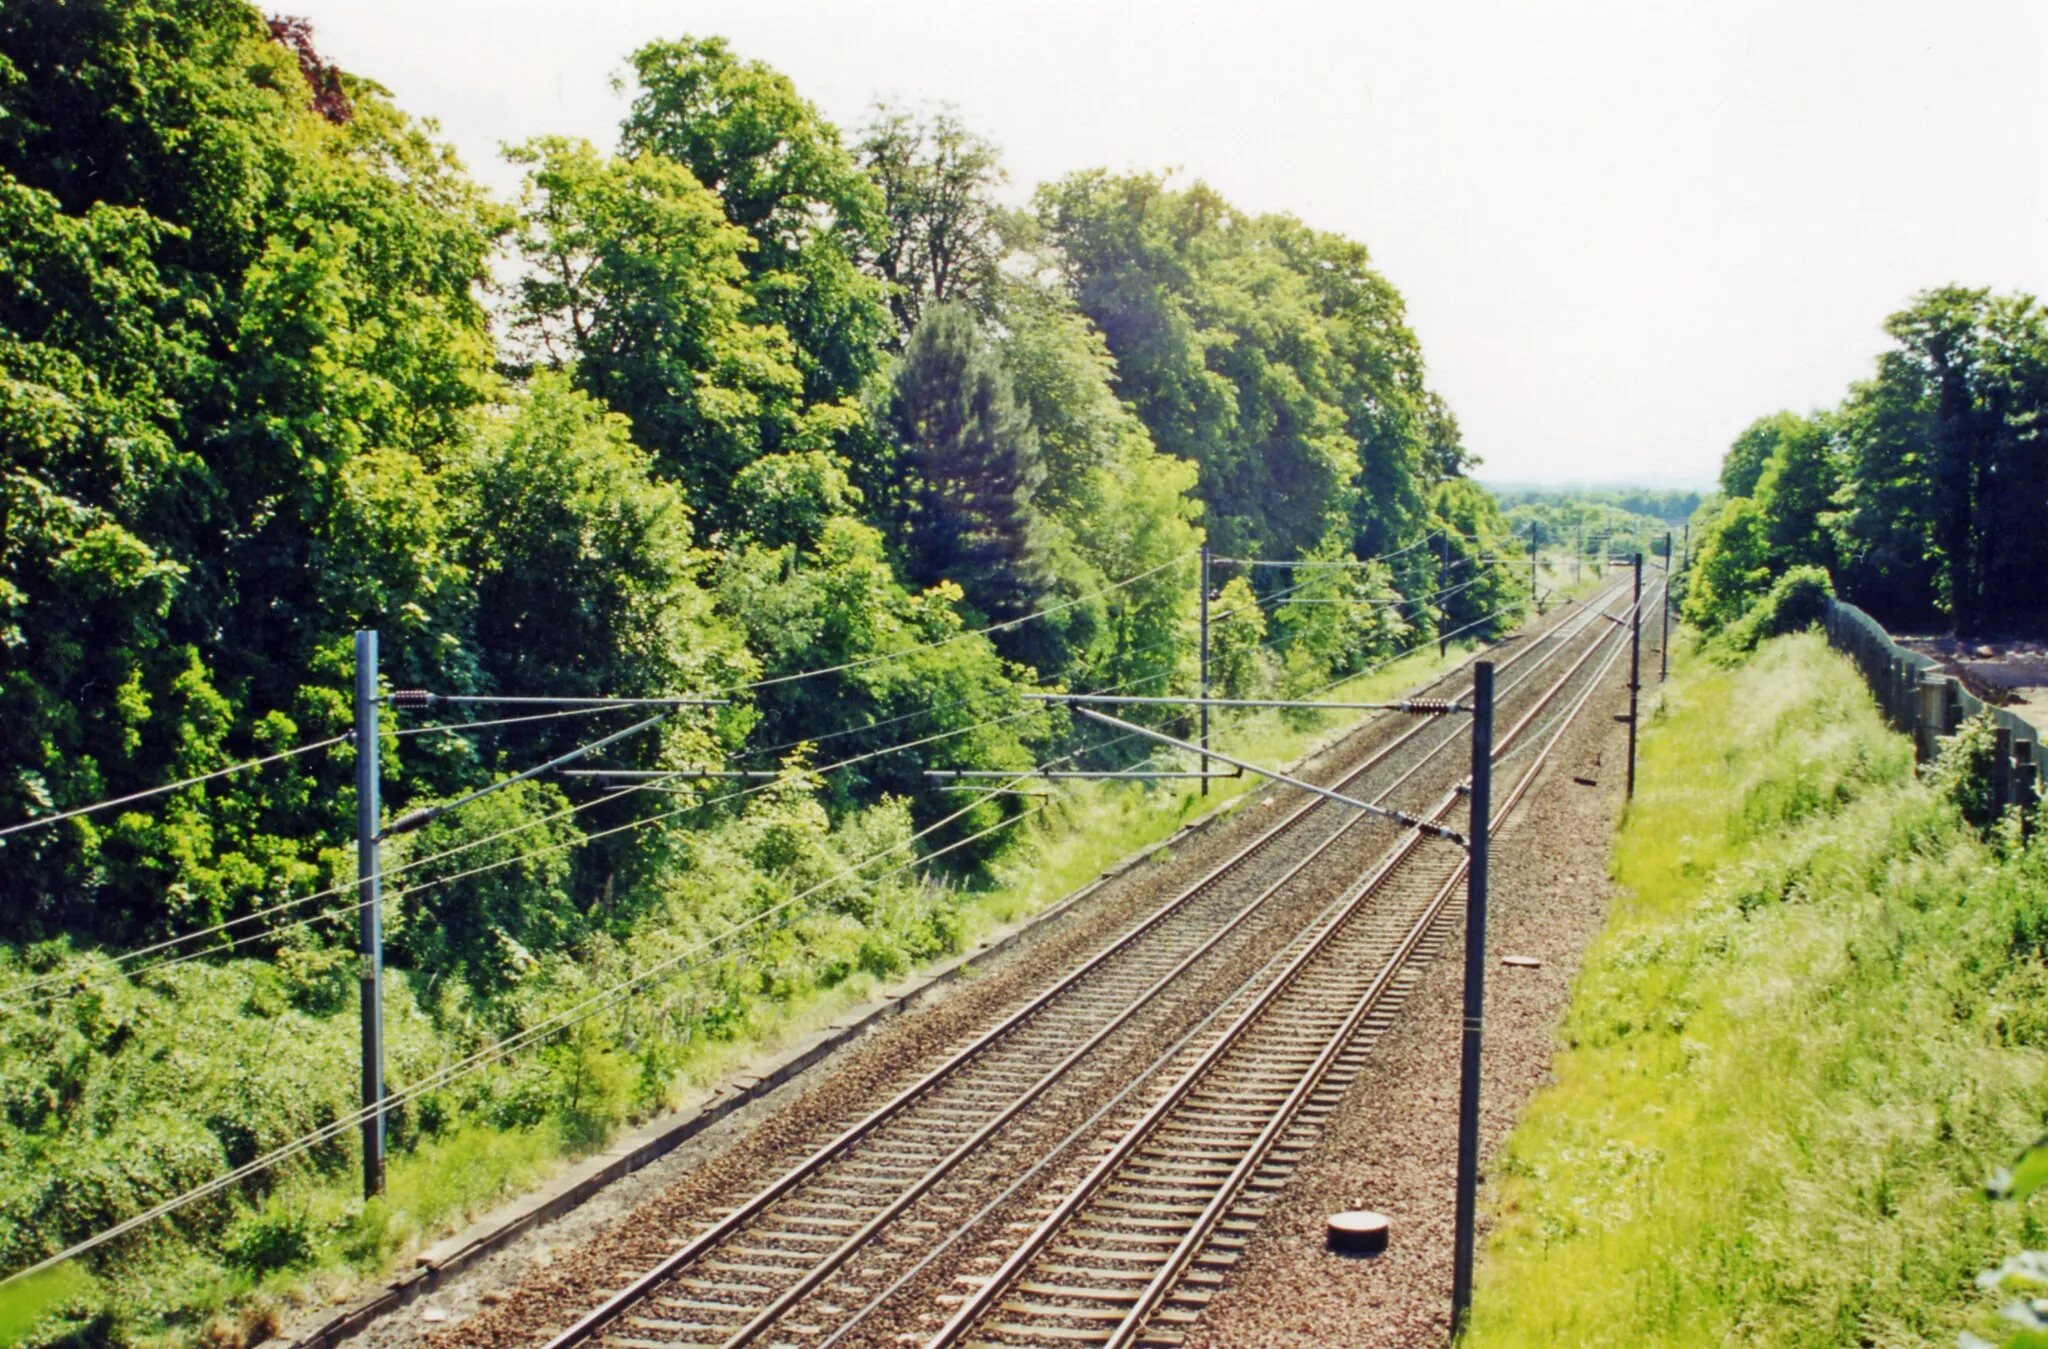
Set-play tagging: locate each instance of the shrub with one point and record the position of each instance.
(1961, 771)
(1796, 601)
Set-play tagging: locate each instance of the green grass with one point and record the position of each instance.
(1813, 1025)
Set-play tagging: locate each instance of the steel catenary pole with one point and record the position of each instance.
(1476, 830)
(1535, 601)
(1443, 613)
(1635, 677)
(1664, 616)
(369, 926)
(1205, 669)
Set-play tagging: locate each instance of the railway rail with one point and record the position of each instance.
(1129, 1253)
(1261, 938)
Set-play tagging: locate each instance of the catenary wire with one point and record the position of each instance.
(41, 820)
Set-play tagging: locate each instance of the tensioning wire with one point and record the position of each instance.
(280, 756)
(336, 890)
(1004, 626)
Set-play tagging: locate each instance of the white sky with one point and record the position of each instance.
(1623, 229)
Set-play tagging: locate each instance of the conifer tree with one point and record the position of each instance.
(969, 465)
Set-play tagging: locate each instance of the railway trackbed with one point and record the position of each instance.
(1106, 1145)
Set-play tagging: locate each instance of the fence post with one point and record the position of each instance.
(1932, 718)
(2001, 767)
(369, 922)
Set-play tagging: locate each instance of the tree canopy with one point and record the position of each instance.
(1921, 494)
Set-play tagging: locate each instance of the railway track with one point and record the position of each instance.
(789, 1263)
(1129, 1254)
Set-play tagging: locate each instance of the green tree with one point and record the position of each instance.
(1111, 507)
(1796, 495)
(204, 376)
(1943, 464)
(904, 668)
(940, 241)
(1483, 599)
(1732, 564)
(1270, 355)
(970, 465)
(585, 579)
(783, 176)
(1238, 664)
(638, 282)
(1743, 466)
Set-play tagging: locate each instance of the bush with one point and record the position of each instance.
(1796, 601)
(1961, 771)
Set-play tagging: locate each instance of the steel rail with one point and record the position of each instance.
(594, 1323)
(1205, 1225)
(828, 1263)
(999, 1283)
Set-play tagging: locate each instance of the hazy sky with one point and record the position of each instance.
(1623, 229)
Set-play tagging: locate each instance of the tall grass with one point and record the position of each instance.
(1812, 1027)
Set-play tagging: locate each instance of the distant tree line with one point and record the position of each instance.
(1924, 495)
(1673, 506)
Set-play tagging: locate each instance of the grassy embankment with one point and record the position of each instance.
(1814, 1025)
(228, 1271)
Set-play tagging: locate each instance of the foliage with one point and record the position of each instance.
(970, 466)
(903, 665)
(1238, 665)
(1597, 529)
(636, 277)
(1920, 493)
(1796, 601)
(2027, 1269)
(1337, 620)
(940, 243)
(1783, 522)
(1804, 1037)
(1961, 771)
(200, 374)
(781, 174)
(1110, 506)
(580, 557)
(1671, 506)
(1480, 599)
(1270, 355)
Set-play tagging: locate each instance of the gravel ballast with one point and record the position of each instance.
(1392, 1145)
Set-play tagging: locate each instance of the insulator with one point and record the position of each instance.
(411, 698)
(1434, 707)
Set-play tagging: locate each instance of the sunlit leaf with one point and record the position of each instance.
(24, 1302)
